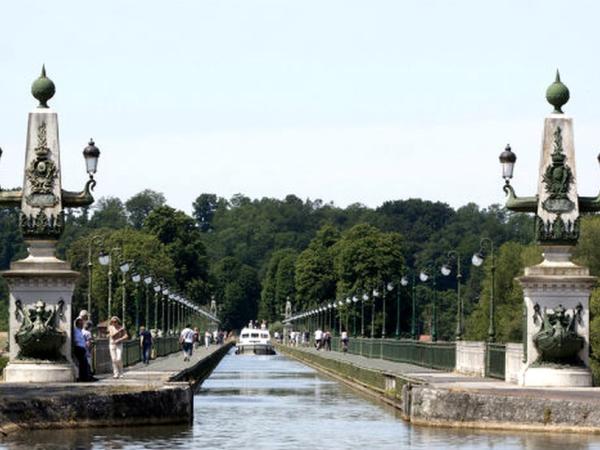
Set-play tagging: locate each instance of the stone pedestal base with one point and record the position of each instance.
(28, 372)
(548, 377)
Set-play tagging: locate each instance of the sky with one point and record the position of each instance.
(339, 100)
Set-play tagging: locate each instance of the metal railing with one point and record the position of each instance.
(495, 360)
(436, 355)
(132, 353)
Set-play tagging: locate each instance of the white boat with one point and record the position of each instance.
(254, 341)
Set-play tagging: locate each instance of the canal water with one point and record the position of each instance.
(270, 402)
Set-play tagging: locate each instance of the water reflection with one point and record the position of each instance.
(275, 403)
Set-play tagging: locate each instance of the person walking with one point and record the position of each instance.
(145, 344)
(344, 341)
(89, 341)
(207, 337)
(318, 338)
(116, 335)
(186, 339)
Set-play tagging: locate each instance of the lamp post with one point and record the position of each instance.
(157, 289)
(98, 241)
(106, 259)
(365, 297)
(124, 268)
(165, 299)
(375, 295)
(137, 278)
(446, 271)
(389, 287)
(147, 282)
(413, 318)
(477, 260)
(354, 301)
(424, 276)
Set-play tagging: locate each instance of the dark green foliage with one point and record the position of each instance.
(236, 291)
(109, 212)
(141, 205)
(183, 241)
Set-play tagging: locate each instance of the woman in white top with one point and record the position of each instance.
(116, 335)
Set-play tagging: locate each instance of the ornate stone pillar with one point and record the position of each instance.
(41, 285)
(556, 292)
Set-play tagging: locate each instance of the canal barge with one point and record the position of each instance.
(254, 341)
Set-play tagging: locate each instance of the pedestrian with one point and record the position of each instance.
(186, 339)
(196, 337)
(344, 341)
(79, 349)
(327, 340)
(318, 338)
(145, 344)
(116, 335)
(207, 336)
(89, 341)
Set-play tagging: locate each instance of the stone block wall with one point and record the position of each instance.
(470, 358)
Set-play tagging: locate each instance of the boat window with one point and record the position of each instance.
(264, 336)
(244, 335)
(254, 335)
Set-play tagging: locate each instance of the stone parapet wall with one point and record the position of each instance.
(470, 358)
(514, 363)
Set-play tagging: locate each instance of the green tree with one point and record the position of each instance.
(204, 208)
(183, 242)
(141, 204)
(277, 284)
(148, 254)
(315, 274)
(511, 260)
(109, 212)
(236, 291)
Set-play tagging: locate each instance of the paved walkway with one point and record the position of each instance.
(159, 370)
(456, 381)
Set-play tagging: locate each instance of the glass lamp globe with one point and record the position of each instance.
(148, 280)
(365, 297)
(157, 288)
(445, 270)
(124, 267)
(136, 277)
(423, 277)
(375, 293)
(477, 259)
(348, 301)
(390, 287)
(104, 259)
(404, 281)
(354, 298)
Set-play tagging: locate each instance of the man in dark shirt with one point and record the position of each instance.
(146, 344)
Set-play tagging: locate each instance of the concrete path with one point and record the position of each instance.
(456, 381)
(159, 370)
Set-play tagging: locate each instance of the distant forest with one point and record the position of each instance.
(253, 254)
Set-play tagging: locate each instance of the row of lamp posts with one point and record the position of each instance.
(175, 309)
(323, 314)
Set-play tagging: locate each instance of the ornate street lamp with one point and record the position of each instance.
(413, 317)
(147, 282)
(157, 289)
(124, 268)
(137, 278)
(477, 260)
(96, 240)
(365, 297)
(425, 276)
(106, 259)
(446, 271)
(389, 287)
(375, 295)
